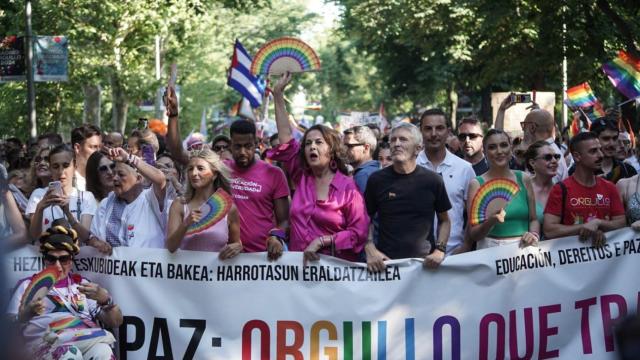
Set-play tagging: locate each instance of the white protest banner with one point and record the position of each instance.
(558, 300)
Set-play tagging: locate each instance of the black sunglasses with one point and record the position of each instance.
(39, 159)
(220, 148)
(104, 168)
(64, 259)
(351, 146)
(548, 157)
(464, 136)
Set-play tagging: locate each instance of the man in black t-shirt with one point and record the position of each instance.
(406, 197)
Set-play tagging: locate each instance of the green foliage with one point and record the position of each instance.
(113, 42)
(422, 46)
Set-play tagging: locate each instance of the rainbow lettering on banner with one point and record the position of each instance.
(285, 54)
(40, 284)
(325, 329)
(624, 74)
(581, 95)
(497, 189)
(69, 322)
(216, 207)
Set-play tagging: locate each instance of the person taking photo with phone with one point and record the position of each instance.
(60, 199)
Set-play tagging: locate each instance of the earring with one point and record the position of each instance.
(333, 165)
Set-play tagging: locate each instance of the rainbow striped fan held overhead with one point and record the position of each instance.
(286, 54)
(491, 197)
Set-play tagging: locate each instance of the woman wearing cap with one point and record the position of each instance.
(52, 325)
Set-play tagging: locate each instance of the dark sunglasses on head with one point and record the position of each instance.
(64, 259)
(548, 157)
(218, 148)
(104, 168)
(464, 136)
(351, 146)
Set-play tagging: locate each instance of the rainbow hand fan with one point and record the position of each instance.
(40, 285)
(285, 54)
(491, 197)
(213, 210)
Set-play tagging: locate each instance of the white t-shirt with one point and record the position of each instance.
(81, 182)
(142, 221)
(456, 174)
(83, 198)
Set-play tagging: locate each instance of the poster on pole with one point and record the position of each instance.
(50, 58)
(12, 65)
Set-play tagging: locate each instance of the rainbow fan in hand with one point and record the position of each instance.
(40, 284)
(491, 197)
(213, 210)
(285, 54)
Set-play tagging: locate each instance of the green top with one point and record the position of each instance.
(516, 222)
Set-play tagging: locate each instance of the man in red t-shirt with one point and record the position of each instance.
(591, 204)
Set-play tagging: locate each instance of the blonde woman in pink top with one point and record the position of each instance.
(327, 214)
(206, 175)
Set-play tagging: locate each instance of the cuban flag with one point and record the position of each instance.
(241, 78)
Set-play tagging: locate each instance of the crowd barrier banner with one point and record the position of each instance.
(558, 300)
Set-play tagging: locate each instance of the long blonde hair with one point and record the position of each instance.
(216, 164)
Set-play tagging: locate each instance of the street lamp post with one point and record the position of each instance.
(31, 91)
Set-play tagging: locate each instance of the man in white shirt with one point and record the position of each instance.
(85, 139)
(455, 172)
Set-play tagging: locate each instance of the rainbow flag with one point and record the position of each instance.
(581, 96)
(624, 73)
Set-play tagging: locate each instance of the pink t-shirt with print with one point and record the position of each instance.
(254, 191)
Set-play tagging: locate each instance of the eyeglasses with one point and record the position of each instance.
(351, 146)
(64, 259)
(471, 136)
(219, 148)
(549, 157)
(39, 159)
(104, 168)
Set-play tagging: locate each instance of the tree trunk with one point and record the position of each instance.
(453, 106)
(120, 105)
(92, 104)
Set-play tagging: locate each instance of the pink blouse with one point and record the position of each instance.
(343, 214)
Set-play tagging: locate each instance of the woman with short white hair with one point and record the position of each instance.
(131, 215)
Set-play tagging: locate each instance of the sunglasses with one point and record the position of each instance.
(471, 136)
(219, 148)
(104, 168)
(64, 259)
(549, 157)
(351, 146)
(39, 159)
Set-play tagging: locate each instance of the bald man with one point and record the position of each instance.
(538, 125)
(113, 140)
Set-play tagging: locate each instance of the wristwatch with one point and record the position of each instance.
(441, 247)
